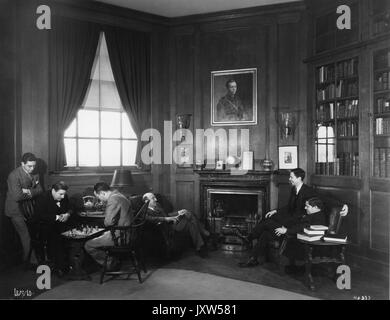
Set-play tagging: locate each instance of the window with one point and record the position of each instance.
(101, 134)
(325, 144)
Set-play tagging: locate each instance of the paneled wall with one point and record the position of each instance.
(268, 40)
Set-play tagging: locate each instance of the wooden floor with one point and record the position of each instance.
(15, 280)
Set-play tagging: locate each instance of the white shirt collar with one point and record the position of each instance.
(298, 188)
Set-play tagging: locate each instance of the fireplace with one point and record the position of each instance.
(231, 202)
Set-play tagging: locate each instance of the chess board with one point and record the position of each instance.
(98, 214)
(85, 233)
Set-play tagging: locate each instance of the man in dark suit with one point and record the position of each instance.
(52, 211)
(284, 217)
(178, 221)
(23, 188)
(117, 213)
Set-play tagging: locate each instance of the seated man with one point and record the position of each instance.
(52, 211)
(180, 221)
(117, 213)
(314, 216)
(300, 192)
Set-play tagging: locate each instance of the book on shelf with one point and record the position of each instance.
(309, 231)
(306, 237)
(382, 162)
(339, 238)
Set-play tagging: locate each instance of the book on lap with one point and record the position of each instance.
(335, 238)
(307, 237)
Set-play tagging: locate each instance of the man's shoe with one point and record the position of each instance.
(252, 262)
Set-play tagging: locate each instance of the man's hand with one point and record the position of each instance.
(270, 213)
(172, 219)
(280, 231)
(344, 210)
(63, 217)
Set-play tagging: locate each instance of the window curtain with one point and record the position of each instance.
(129, 53)
(72, 46)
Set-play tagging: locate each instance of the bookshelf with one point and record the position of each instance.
(380, 17)
(381, 113)
(337, 118)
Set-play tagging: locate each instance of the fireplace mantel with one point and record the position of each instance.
(227, 175)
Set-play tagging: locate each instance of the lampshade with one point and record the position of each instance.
(122, 178)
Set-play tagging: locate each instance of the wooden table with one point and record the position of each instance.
(309, 260)
(77, 254)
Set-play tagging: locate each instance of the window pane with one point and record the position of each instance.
(71, 131)
(321, 153)
(110, 124)
(88, 124)
(95, 68)
(127, 130)
(128, 152)
(110, 153)
(88, 152)
(70, 152)
(92, 96)
(109, 95)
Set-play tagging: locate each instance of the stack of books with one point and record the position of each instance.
(313, 233)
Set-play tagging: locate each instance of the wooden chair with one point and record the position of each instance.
(321, 252)
(127, 242)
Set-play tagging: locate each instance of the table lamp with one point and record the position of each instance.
(122, 178)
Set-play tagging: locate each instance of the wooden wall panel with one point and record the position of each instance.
(379, 217)
(184, 195)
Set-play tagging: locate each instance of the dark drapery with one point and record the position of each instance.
(129, 53)
(73, 47)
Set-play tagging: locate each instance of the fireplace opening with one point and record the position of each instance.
(229, 210)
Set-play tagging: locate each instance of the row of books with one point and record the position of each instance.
(382, 126)
(319, 232)
(343, 89)
(326, 73)
(382, 162)
(345, 109)
(346, 164)
(348, 128)
(382, 60)
(382, 81)
(347, 68)
(382, 105)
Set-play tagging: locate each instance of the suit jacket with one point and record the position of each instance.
(296, 203)
(118, 211)
(306, 221)
(46, 208)
(16, 200)
(158, 215)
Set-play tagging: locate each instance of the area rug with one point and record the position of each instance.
(169, 284)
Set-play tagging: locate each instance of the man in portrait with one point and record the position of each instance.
(230, 107)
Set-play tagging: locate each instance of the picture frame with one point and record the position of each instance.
(288, 157)
(234, 97)
(184, 155)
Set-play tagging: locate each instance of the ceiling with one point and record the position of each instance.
(179, 8)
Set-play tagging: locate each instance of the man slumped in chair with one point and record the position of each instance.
(179, 221)
(117, 213)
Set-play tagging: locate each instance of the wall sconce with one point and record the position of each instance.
(183, 122)
(288, 122)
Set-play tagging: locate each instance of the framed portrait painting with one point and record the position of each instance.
(288, 157)
(234, 97)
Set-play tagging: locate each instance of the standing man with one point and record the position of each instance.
(23, 188)
(52, 211)
(117, 213)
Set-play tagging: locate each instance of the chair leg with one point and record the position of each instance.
(136, 266)
(104, 268)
